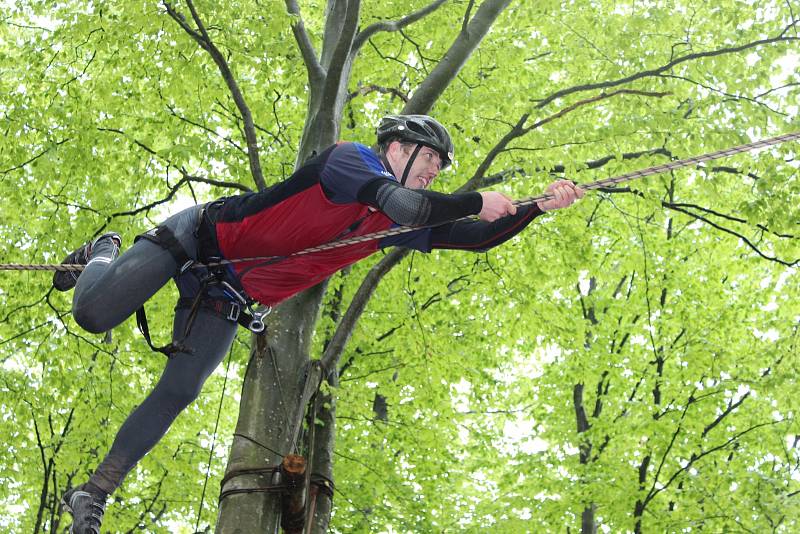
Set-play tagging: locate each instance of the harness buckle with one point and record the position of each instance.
(233, 311)
(235, 294)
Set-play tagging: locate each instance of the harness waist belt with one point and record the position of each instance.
(226, 309)
(208, 251)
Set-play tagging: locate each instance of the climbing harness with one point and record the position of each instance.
(232, 310)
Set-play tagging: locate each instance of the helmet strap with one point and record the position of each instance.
(410, 163)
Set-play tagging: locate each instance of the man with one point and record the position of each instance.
(348, 190)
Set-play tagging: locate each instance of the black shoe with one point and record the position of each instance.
(66, 280)
(87, 510)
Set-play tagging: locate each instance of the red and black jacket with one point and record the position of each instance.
(324, 201)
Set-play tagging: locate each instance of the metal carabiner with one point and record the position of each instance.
(257, 324)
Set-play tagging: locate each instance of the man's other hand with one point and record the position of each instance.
(495, 206)
(564, 193)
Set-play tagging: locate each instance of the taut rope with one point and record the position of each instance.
(657, 169)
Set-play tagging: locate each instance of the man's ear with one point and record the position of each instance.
(395, 148)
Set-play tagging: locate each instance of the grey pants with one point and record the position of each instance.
(108, 293)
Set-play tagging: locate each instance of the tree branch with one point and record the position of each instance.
(658, 70)
(208, 45)
(465, 22)
(731, 406)
(519, 130)
(600, 162)
(393, 26)
(695, 457)
(448, 68)
(188, 177)
(37, 156)
(175, 114)
(148, 509)
(357, 305)
(753, 100)
(580, 103)
(680, 208)
(364, 90)
(725, 216)
(339, 60)
(516, 130)
(315, 71)
(374, 372)
(736, 234)
(666, 452)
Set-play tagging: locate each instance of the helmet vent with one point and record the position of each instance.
(418, 128)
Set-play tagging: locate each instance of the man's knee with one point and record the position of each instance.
(91, 319)
(181, 394)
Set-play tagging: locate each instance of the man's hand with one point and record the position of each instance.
(495, 206)
(564, 194)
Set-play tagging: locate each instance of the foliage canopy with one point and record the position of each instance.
(632, 358)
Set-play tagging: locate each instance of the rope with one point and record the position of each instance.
(41, 267)
(269, 470)
(600, 184)
(262, 471)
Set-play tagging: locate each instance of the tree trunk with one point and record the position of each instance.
(588, 525)
(269, 410)
(271, 395)
(322, 468)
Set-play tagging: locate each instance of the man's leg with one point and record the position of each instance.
(109, 290)
(210, 336)
(107, 293)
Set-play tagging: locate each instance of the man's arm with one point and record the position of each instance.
(481, 236)
(418, 207)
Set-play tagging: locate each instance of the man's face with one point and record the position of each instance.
(426, 165)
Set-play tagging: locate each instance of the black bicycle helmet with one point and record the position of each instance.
(420, 129)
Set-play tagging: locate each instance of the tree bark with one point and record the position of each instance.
(273, 385)
(322, 468)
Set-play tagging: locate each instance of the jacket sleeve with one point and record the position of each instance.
(480, 236)
(418, 207)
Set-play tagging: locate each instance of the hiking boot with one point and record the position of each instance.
(107, 247)
(87, 510)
